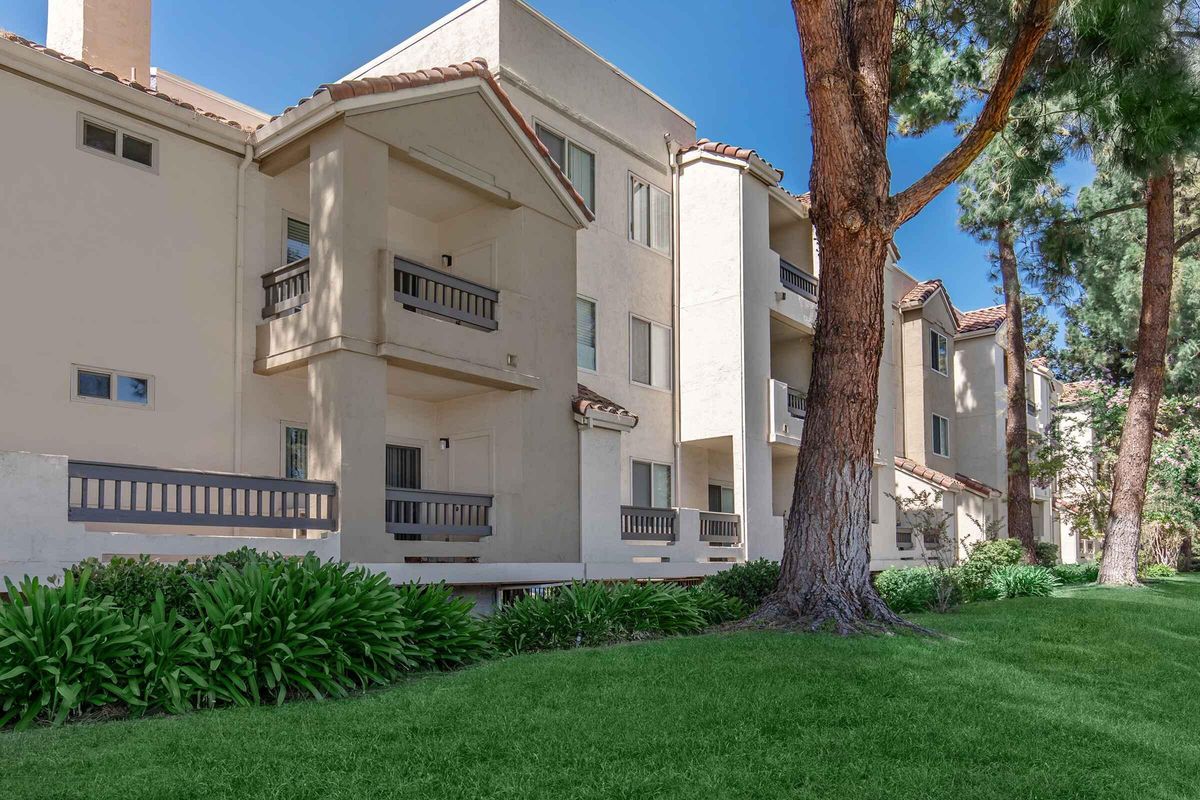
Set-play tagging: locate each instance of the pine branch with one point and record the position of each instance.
(1039, 16)
(1186, 238)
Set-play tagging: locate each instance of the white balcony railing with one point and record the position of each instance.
(788, 405)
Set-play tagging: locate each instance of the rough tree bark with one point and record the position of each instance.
(846, 50)
(1016, 428)
(1123, 533)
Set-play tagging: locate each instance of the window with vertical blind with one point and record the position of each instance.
(649, 353)
(585, 333)
(578, 164)
(651, 484)
(295, 240)
(295, 451)
(402, 468)
(720, 498)
(941, 436)
(649, 215)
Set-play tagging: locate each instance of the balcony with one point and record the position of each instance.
(417, 513)
(679, 525)
(797, 280)
(285, 289)
(787, 413)
(421, 288)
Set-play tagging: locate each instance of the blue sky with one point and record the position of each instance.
(731, 65)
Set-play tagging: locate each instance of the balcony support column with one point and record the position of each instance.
(347, 441)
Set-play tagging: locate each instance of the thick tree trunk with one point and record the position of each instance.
(1016, 429)
(1123, 532)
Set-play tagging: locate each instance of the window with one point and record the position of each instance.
(585, 333)
(1031, 407)
(92, 385)
(577, 164)
(649, 353)
(941, 436)
(938, 349)
(720, 498)
(651, 485)
(117, 143)
(295, 239)
(295, 451)
(904, 539)
(649, 215)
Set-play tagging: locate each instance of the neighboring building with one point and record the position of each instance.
(371, 296)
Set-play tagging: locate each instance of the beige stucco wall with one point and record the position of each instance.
(926, 391)
(980, 400)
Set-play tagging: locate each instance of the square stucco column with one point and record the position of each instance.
(348, 393)
(600, 494)
(348, 208)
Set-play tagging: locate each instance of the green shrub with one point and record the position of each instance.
(1022, 581)
(167, 671)
(280, 626)
(589, 613)
(1158, 571)
(133, 583)
(1047, 553)
(985, 557)
(918, 588)
(60, 651)
(750, 582)
(716, 607)
(1076, 573)
(441, 627)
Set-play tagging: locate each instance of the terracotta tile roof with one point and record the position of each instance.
(15, 39)
(587, 399)
(733, 151)
(475, 68)
(981, 319)
(929, 475)
(1077, 392)
(919, 294)
(978, 487)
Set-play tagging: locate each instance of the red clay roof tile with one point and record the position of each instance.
(733, 151)
(21, 40)
(981, 319)
(586, 398)
(930, 475)
(919, 294)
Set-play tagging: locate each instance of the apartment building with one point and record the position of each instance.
(347, 327)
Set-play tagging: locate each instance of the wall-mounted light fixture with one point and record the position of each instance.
(444, 443)
(447, 261)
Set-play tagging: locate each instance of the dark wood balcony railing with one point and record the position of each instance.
(149, 495)
(285, 289)
(720, 528)
(448, 296)
(422, 512)
(796, 401)
(648, 524)
(799, 281)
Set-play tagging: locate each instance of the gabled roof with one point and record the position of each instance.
(586, 400)
(41, 48)
(981, 319)
(977, 486)
(746, 154)
(919, 295)
(475, 68)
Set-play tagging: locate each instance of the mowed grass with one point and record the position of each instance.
(1090, 694)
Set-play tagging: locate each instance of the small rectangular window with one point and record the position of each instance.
(117, 143)
(941, 436)
(111, 386)
(938, 350)
(649, 215)
(650, 353)
(585, 333)
(99, 138)
(295, 451)
(295, 245)
(138, 150)
(577, 163)
(1031, 408)
(651, 484)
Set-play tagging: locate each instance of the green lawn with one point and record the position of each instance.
(1092, 694)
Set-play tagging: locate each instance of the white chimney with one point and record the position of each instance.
(111, 34)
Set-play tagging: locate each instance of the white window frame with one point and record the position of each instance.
(113, 375)
(944, 350)
(595, 336)
(670, 338)
(945, 438)
(121, 131)
(568, 143)
(670, 483)
(283, 233)
(284, 424)
(633, 176)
